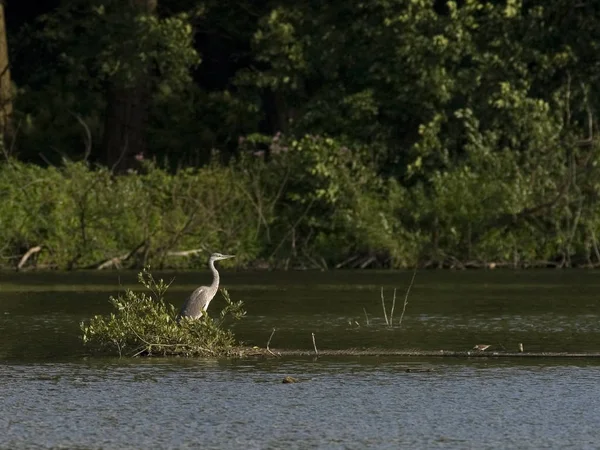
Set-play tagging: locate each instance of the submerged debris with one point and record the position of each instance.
(481, 347)
(419, 369)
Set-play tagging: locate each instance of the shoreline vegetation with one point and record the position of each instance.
(312, 205)
(300, 135)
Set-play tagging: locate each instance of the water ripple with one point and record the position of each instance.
(337, 404)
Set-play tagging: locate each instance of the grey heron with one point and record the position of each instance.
(198, 302)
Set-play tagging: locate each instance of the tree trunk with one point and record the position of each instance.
(127, 112)
(276, 111)
(5, 86)
(124, 126)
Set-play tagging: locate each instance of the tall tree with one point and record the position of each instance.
(127, 103)
(5, 85)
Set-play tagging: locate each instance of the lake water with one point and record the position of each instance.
(53, 395)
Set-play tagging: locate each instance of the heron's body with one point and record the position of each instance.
(198, 302)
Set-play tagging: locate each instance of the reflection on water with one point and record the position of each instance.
(544, 310)
(52, 396)
(373, 403)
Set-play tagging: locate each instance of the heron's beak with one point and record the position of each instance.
(228, 256)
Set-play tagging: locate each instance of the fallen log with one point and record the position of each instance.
(116, 261)
(31, 251)
(249, 352)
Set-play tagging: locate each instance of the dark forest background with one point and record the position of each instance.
(383, 133)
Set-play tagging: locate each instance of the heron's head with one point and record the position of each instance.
(219, 256)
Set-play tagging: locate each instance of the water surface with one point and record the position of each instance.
(53, 395)
(337, 404)
(545, 310)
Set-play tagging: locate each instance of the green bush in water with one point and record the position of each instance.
(145, 325)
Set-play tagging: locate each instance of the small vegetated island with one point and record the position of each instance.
(144, 324)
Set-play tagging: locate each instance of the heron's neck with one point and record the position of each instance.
(215, 284)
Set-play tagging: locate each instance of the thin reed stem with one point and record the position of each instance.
(387, 322)
(406, 296)
(270, 337)
(269, 343)
(392, 311)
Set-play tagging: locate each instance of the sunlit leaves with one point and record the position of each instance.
(144, 324)
(84, 216)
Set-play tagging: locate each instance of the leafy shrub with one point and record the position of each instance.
(333, 203)
(84, 216)
(145, 325)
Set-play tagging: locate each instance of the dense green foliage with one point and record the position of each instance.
(315, 134)
(144, 324)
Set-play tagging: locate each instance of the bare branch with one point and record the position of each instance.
(88, 135)
(26, 256)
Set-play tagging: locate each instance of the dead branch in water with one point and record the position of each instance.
(393, 307)
(366, 316)
(406, 296)
(269, 343)
(387, 322)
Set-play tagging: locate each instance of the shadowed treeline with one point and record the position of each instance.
(300, 134)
